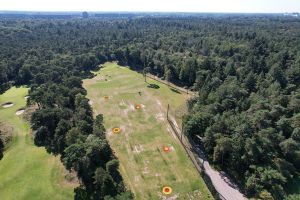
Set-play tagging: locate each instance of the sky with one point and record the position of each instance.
(241, 6)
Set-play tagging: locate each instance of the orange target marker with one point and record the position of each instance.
(137, 106)
(106, 97)
(116, 130)
(166, 149)
(167, 190)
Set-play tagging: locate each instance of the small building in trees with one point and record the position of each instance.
(85, 15)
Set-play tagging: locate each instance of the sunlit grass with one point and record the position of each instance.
(27, 171)
(145, 167)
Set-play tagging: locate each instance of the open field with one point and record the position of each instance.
(144, 164)
(27, 171)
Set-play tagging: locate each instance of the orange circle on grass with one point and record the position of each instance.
(167, 190)
(116, 130)
(138, 106)
(106, 97)
(166, 149)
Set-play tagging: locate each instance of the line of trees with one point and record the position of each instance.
(246, 70)
(1, 147)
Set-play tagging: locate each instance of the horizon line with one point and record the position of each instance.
(124, 11)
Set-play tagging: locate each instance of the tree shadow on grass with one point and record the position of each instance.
(154, 86)
(175, 90)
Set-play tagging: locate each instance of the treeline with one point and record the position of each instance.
(64, 125)
(247, 115)
(63, 122)
(1, 147)
(5, 137)
(245, 68)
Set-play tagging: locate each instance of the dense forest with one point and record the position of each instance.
(246, 69)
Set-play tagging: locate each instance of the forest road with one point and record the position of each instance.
(222, 183)
(220, 180)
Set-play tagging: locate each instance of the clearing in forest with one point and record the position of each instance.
(27, 171)
(151, 158)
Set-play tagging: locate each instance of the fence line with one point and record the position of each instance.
(192, 155)
(188, 149)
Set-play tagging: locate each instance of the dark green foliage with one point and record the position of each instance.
(246, 70)
(1, 148)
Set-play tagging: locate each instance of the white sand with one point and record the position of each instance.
(20, 112)
(7, 105)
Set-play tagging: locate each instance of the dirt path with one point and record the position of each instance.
(221, 182)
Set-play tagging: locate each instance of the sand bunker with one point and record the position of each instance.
(20, 111)
(26, 97)
(7, 105)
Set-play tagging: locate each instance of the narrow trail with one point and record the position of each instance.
(221, 182)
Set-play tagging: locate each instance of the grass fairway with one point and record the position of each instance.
(145, 166)
(26, 171)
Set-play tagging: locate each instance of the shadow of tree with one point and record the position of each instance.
(154, 86)
(175, 90)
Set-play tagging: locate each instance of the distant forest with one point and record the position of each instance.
(246, 70)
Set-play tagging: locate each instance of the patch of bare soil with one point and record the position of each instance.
(138, 148)
(174, 197)
(99, 78)
(71, 178)
(160, 117)
(28, 111)
(6, 133)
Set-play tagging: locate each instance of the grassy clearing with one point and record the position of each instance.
(26, 171)
(144, 165)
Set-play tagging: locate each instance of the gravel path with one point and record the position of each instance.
(220, 181)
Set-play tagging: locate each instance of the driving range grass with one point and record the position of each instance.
(145, 167)
(27, 171)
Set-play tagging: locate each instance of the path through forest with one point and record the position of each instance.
(222, 183)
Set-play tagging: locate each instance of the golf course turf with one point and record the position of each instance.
(27, 171)
(151, 158)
